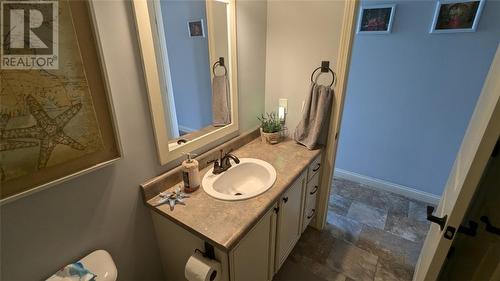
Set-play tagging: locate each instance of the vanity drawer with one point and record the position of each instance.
(312, 186)
(309, 211)
(314, 167)
(311, 193)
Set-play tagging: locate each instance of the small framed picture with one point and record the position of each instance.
(456, 16)
(376, 19)
(196, 28)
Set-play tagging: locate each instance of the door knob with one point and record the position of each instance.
(437, 220)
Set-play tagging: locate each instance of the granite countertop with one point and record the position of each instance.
(224, 223)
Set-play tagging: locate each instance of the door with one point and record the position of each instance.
(289, 220)
(476, 148)
(478, 257)
(165, 77)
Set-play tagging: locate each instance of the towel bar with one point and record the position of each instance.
(220, 63)
(325, 67)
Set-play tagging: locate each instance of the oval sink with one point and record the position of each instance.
(247, 179)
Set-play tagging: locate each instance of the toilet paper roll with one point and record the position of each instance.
(199, 268)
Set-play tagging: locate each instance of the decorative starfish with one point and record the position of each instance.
(173, 198)
(49, 131)
(11, 144)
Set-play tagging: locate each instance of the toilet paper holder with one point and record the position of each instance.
(209, 252)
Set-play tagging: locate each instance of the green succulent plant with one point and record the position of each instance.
(270, 123)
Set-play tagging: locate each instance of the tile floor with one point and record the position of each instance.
(370, 235)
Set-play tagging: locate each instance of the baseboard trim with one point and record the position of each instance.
(186, 129)
(389, 186)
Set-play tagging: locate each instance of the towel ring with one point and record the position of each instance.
(218, 63)
(329, 70)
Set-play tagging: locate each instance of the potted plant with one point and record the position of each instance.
(270, 128)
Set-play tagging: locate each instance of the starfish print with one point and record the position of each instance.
(49, 131)
(11, 144)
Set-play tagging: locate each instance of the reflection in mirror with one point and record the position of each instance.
(194, 46)
(188, 50)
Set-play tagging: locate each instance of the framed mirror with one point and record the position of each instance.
(188, 51)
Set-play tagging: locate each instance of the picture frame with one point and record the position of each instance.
(376, 19)
(452, 16)
(87, 136)
(196, 28)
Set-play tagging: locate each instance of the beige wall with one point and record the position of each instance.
(251, 23)
(218, 39)
(104, 209)
(300, 34)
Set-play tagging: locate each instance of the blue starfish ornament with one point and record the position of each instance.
(173, 198)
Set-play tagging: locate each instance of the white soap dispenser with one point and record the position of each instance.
(190, 174)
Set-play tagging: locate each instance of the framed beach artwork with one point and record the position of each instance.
(456, 16)
(376, 19)
(56, 119)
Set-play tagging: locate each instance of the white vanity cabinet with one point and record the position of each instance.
(310, 196)
(261, 252)
(289, 224)
(253, 258)
(311, 193)
(265, 248)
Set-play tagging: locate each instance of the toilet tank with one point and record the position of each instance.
(99, 263)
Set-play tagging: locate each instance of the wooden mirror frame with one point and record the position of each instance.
(156, 86)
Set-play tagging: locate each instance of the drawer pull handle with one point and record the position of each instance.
(312, 213)
(317, 168)
(314, 191)
(285, 199)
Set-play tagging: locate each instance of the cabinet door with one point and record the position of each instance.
(289, 220)
(253, 258)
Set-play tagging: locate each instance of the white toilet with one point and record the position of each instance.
(99, 263)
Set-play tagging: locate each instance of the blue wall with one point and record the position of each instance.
(411, 94)
(189, 63)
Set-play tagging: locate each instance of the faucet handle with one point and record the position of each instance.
(215, 161)
(217, 169)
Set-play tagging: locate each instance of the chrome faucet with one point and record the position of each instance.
(223, 163)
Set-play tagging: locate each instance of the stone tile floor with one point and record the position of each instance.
(370, 235)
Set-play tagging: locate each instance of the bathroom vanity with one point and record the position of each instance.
(252, 237)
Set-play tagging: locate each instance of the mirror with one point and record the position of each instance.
(189, 57)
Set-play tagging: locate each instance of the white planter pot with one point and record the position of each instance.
(271, 138)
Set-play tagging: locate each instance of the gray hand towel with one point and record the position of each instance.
(221, 113)
(315, 114)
